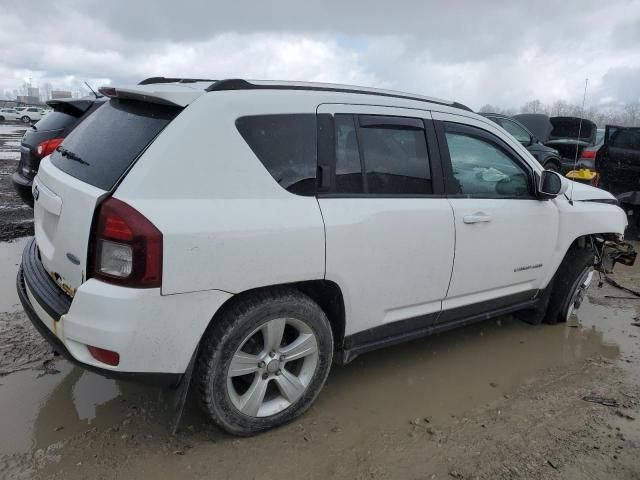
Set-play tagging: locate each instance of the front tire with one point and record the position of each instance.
(26, 119)
(263, 361)
(570, 284)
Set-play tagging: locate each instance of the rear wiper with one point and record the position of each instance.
(70, 155)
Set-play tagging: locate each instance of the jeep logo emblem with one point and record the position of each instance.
(36, 193)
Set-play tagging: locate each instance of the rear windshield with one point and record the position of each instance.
(101, 149)
(570, 129)
(55, 121)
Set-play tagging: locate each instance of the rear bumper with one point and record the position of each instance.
(56, 304)
(161, 379)
(23, 185)
(155, 335)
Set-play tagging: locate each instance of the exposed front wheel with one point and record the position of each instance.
(25, 119)
(570, 285)
(264, 361)
(1, 118)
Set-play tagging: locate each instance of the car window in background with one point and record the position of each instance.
(55, 121)
(518, 132)
(482, 169)
(599, 135)
(627, 139)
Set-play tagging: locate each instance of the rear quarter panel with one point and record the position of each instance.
(226, 223)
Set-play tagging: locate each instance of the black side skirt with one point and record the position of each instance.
(412, 328)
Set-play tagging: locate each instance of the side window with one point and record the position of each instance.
(395, 159)
(519, 133)
(286, 146)
(627, 139)
(482, 168)
(348, 168)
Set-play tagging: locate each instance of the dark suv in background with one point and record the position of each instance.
(618, 160)
(44, 137)
(548, 157)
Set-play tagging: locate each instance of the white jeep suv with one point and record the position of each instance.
(301, 225)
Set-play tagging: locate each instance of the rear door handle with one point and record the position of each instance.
(476, 218)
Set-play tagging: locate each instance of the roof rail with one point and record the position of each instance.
(241, 84)
(152, 80)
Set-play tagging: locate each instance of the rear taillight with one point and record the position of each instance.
(126, 248)
(588, 154)
(47, 147)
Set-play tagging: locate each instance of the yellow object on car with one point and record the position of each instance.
(583, 175)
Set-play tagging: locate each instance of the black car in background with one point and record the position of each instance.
(618, 160)
(548, 157)
(44, 137)
(568, 135)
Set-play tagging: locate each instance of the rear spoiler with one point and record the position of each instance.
(178, 95)
(74, 107)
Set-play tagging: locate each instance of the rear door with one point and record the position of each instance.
(618, 161)
(72, 181)
(389, 230)
(505, 237)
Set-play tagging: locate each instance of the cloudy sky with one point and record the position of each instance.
(474, 52)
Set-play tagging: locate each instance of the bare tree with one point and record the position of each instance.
(534, 106)
(632, 113)
(488, 108)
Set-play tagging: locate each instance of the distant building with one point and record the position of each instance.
(33, 92)
(29, 100)
(55, 94)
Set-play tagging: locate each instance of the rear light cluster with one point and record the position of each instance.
(48, 147)
(588, 154)
(126, 248)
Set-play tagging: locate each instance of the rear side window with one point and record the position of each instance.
(627, 139)
(348, 167)
(102, 147)
(395, 160)
(286, 146)
(391, 150)
(55, 121)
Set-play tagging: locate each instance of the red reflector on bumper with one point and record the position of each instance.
(104, 356)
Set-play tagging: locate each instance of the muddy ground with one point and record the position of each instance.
(16, 218)
(496, 400)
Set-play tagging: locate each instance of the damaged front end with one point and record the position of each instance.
(611, 250)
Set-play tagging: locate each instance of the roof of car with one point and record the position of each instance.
(242, 84)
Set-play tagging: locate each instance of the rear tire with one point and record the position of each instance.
(1, 118)
(263, 361)
(570, 284)
(25, 119)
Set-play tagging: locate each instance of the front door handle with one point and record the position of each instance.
(476, 218)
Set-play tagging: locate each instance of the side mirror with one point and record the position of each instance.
(552, 184)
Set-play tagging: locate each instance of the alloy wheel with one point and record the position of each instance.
(273, 367)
